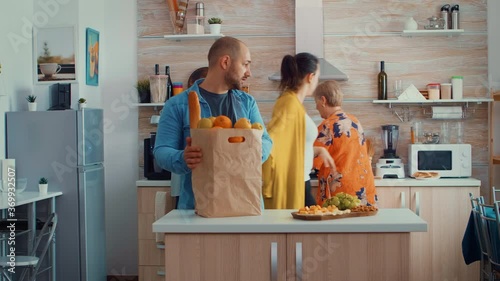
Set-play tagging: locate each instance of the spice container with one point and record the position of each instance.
(455, 17)
(445, 91)
(195, 25)
(457, 87)
(434, 92)
(200, 9)
(445, 15)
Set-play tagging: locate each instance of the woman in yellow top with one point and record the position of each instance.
(286, 172)
(343, 136)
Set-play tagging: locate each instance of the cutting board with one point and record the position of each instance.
(298, 216)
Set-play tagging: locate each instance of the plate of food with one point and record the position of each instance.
(331, 212)
(426, 175)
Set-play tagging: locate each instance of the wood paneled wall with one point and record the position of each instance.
(358, 35)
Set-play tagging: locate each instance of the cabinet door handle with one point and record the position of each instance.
(298, 261)
(417, 203)
(403, 199)
(274, 261)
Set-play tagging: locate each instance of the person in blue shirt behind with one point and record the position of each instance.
(219, 94)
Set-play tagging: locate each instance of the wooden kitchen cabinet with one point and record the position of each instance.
(151, 255)
(348, 256)
(226, 257)
(393, 197)
(436, 255)
(229, 257)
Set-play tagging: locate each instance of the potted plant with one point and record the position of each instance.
(143, 90)
(31, 102)
(215, 25)
(82, 103)
(43, 185)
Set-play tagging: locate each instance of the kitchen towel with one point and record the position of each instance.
(161, 198)
(447, 112)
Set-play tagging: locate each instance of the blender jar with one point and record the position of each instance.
(390, 135)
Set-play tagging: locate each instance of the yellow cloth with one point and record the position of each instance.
(283, 172)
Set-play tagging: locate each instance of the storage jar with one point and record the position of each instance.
(457, 87)
(195, 25)
(445, 91)
(434, 92)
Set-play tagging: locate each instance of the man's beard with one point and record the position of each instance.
(232, 82)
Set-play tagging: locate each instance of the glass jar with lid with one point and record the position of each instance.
(434, 91)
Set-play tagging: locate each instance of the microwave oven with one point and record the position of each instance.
(449, 160)
(151, 169)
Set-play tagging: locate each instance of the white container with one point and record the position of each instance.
(457, 87)
(445, 91)
(31, 106)
(43, 188)
(195, 25)
(215, 28)
(433, 90)
(411, 24)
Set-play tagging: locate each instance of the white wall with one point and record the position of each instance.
(15, 57)
(118, 66)
(115, 93)
(91, 14)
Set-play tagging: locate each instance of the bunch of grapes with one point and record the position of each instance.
(342, 201)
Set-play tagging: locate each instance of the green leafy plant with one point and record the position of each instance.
(82, 100)
(143, 85)
(214, 21)
(43, 181)
(31, 98)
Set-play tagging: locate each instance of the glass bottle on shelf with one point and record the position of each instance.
(382, 82)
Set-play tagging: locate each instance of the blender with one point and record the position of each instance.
(390, 165)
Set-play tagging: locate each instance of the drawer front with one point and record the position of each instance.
(151, 273)
(149, 254)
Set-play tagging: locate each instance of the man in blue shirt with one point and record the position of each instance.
(219, 94)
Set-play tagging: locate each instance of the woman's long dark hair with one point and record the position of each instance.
(295, 68)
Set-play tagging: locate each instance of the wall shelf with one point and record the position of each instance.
(149, 104)
(181, 37)
(432, 32)
(405, 114)
(431, 102)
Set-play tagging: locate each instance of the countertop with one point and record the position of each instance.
(27, 197)
(456, 182)
(281, 221)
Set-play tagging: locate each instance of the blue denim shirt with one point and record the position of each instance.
(173, 129)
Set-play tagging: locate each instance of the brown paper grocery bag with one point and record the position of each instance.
(228, 181)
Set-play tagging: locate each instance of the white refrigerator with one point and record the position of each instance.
(66, 147)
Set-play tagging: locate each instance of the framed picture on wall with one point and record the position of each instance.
(55, 54)
(92, 57)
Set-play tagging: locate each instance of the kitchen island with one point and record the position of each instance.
(274, 246)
